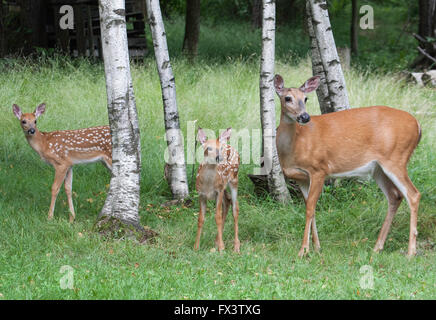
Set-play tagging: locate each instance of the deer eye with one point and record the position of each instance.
(209, 148)
(23, 122)
(305, 99)
(287, 99)
(35, 121)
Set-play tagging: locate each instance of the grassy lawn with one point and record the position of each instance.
(33, 250)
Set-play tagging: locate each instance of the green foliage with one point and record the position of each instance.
(218, 95)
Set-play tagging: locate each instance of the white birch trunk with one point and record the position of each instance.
(333, 83)
(122, 201)
(176, 155)
(276, 181)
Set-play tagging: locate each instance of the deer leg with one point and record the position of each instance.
(316, 184)
(235, 208)
(401, 179)
(108, 162)
(226, 207)
(394, 197)
(68, 190)
(304, 187)
(203, 203)
(59, 178)
(219, 220)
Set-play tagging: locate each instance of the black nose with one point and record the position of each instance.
(303, 118)
(31, 131)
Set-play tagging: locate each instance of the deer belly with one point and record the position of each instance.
(364, 172)
(86, 160)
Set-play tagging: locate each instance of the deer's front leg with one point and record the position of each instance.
(219, 220)
(60, 172)
(316, 184)
(203, 203)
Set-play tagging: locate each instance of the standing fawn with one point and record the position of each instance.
(218, 170)
(63, 149)
(373, 142)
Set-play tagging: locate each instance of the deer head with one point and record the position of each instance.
(214, 149)
(293, 100)
(28, 120)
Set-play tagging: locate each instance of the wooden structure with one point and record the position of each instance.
(39, 20)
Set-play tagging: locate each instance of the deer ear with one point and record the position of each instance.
(201, 136)
(226, 135)
(310, 85)
(278, 84)
(39, 110)
(17, 111)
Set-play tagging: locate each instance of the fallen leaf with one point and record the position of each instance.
(213, 250)
(80, 234)
(136, 265)
(90, 200)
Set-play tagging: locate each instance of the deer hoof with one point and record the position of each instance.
(303, 252)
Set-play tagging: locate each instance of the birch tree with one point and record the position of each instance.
(122, 201)
(276, 180)
(176, 155)
(332, 92)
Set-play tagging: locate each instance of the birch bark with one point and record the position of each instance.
(176, 155)
(332, 93)
(122, 201)
(276, 180)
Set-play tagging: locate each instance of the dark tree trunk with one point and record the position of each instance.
(2, 31)
(426, 13)
(354, 26)
(256, 14)
(33, 21)
(427, 26)
(192, 28)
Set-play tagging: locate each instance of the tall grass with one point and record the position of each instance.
(32, 250)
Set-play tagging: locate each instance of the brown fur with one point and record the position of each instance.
(63, 149)
(341, 144)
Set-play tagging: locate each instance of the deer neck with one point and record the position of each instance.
(36, 140)
(286, 135)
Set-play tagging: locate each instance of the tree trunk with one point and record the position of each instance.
(122, 201)
(192, 28)
(177, 178)
(332, 89)
(354, 27)
(276, 181)
(2, 31)
(427, 26)
(256, 14)
(317, 67)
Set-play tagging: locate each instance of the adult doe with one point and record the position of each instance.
(374, 141)
(218, 170)
(63, 149)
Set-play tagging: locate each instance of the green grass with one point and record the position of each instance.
(32, 249)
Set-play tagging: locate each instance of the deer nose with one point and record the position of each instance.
(303, 118)
(31, 131)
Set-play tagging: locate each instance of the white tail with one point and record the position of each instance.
(374, 141)
(63, 149)
(219, 170)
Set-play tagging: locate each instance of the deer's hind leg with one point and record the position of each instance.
(394, 197)
(68, 190)
(235, 208)
(400, 178)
